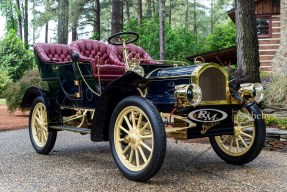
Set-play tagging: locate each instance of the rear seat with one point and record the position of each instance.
(93, 51)
(53, 53)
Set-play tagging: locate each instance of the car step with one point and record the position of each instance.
(72, 129)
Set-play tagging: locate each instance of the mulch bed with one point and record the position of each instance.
(17, 120)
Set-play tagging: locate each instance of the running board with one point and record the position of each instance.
(72, 129)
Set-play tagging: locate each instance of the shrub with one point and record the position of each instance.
(275, 92)
(223, 36)
(4, 81)
(14, 58)
(15, 91)
(271, 120)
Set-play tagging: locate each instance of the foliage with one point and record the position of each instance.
(15, 91)
(275, 92)
(179, 42)
(9, 11)
(4, 81)
(2, 101)
(271, 120)
(224, 36)
(14, 58)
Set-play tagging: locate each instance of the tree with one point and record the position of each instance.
(19, 19)
(7, 10)
(117, 16)
(26, 29)
(97, 23)
(247, 41)
(162, 29)
(186, 14)
(140, 11)
(211, 15)
(14, 58)
(63, 21)
(279, 66)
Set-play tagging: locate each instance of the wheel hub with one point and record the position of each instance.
(135, 139)
(237, 131)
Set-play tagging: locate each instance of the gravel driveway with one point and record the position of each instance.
(77, 164)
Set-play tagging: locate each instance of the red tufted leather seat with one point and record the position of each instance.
(91, 51)
(116, 54)
(53, 53)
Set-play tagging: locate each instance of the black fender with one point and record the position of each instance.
(52, 105)
(116, 91)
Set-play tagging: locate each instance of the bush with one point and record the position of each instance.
(4, 81)
(223, 36)
(273, 121)
(15, 91)
(275, 92)
(14, 58)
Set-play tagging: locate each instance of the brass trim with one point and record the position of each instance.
(195, 79)
(143, 94)
(86, 81)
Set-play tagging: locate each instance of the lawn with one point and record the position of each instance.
(2, 101)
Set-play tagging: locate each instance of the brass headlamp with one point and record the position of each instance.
(188, 95)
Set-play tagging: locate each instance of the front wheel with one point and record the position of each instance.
(247, 141)
(42, 139)
(137, 138)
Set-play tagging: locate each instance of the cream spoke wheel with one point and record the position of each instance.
(42, 139)
(248, 137)
(238, 146)
(39, 125)
(138, 151)
(137, 138)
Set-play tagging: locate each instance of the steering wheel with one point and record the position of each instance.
(119, 38)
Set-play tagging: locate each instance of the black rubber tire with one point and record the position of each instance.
(159, 151)
(255, 149)
(52, 134)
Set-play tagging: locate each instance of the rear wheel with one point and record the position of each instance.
(247, 141)
(42, 139)
(137, 138)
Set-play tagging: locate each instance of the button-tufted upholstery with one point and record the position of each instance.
(93, 51)
(53, 53)
(116, 54)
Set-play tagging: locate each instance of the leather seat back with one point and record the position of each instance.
(90, 50)
(116, 54)
(53, 53)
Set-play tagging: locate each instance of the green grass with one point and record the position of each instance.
(2, 101)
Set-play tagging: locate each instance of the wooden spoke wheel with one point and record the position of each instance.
(137, 138)
(246, 142)
(42, 139)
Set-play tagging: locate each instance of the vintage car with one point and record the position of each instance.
(115, 92)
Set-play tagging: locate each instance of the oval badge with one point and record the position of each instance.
(207, 115)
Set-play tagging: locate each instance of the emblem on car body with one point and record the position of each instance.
(207, 115)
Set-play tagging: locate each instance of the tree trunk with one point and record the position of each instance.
(127, 5)
(34, 28)
(97, 24)
(279, 64)
(19, 20)
(170, 12)
(26, 29)
(149, 9)
(74, 33)
(247, 41)
(46, 31)
(117, 16)
(195, 18)
(211, 16)
(140, 11)
(162, 28)
(63, 21)
(186, 14)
